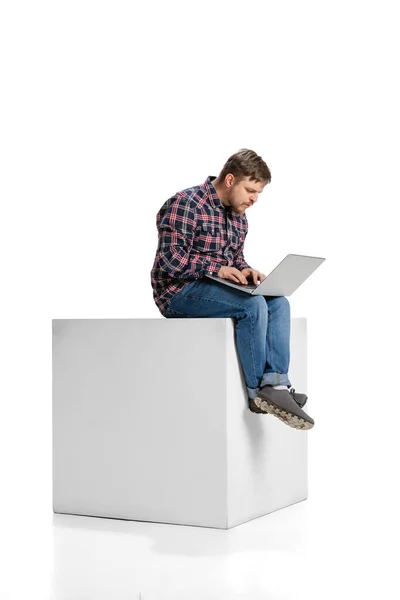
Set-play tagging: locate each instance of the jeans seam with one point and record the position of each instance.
(216, 300)
(209, 300)
(271, 354)
(177, 312)
(252, 346)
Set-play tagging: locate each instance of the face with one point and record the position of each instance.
(244, 194)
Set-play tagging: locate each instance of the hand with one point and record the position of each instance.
(232, 274)
(254, 274)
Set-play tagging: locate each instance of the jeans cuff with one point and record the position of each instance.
(275, 379)
(252, 392)
(269, 379)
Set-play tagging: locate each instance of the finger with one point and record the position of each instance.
(233, 277)
(240, 275)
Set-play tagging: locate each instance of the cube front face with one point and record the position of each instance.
(139, 427)
(151, 422)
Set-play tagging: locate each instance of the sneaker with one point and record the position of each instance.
(281, 404)
(300, 399)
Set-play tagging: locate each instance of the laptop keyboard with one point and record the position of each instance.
(249, 286)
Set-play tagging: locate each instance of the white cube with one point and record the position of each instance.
(151, 423)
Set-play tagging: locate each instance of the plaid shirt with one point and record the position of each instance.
(197, 234)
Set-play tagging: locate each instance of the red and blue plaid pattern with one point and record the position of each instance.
(197, 234)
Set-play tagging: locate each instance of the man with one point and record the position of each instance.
(202, 230)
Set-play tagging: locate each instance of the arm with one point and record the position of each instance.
(176, 228)
(239, 261)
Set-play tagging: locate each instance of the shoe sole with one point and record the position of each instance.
(255, 409)
(287, 417)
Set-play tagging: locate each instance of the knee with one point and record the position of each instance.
(258, 307)
(283, 304)
(283, 301)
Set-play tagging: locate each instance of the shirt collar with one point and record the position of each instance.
(213, 197)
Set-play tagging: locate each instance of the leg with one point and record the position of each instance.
(277, 342)
(280, 403)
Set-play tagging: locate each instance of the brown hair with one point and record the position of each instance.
(246, 163)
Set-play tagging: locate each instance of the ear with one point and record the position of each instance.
(229, 180)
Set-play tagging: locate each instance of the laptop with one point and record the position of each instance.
(287, 276)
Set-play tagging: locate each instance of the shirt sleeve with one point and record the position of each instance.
(238, 260)
(240, 263)
(176, 226)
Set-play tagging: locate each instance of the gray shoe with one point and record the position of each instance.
(300, 399)
(281, 404)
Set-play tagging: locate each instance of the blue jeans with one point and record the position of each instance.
(262, 327)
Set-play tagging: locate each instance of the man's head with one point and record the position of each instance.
(242, 178)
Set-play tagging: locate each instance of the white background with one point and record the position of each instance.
(109, 108)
